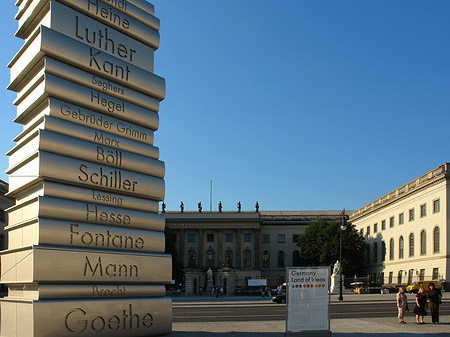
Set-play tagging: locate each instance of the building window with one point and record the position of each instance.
(281, 238)
(399, 276)
(368, 230)
(375, 252)
(228, 237)
(280, 259)
(375, 228)
(247, 238)
(410, 276)
(295, 238)
(191, 237)
(192, 258)
(411, 245)
(383, 250)
(391, 249)
(411, 214)
(210, 237)
(423, 242)
(423, 210)
(210, 257)
(401, 246)
(383, 225)
(422, 275)
(266, 238)
(247, 258)
(401, 219)
(391, 222)
(228, 258)
(391, 277)
(362, 231)
(435, 273)
(266, 259)
(436, 240)
(436, 206)
(296, 258)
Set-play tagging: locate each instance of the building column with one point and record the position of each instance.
(201, 253)
(220, 248)
(238, 248)
(182, 253)
(257, 248)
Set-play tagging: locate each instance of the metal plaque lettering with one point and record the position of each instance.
(52, 43)
(89, 98)
(58, 190)
(93, 33)
(101, 154)
(84, 291)
(61, 126)
(86, 239)
(44, 164)
(79, 115)
(87, 318)
(82, 235)
(49, 265)
(58, 208)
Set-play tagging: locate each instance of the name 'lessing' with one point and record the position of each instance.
(110, 269)
(98, 120)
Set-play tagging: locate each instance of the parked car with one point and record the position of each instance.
(414, 288)
(279, 299)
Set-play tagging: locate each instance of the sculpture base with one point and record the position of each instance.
(87, 318)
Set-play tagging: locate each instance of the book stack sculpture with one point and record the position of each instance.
(86, 244)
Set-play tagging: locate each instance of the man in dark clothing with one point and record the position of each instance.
(435, 298)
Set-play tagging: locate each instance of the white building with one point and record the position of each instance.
(407, 231)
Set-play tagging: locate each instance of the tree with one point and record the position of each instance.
(177, 268)
(319, 246)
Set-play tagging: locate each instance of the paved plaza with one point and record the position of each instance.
(344, 327)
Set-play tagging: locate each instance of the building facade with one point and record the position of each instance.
(238, 246)
(407, 231)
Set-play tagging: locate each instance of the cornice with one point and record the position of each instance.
(430, 178)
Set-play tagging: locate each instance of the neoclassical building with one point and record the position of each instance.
(238, 246)
(407, 231)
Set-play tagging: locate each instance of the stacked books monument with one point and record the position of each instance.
(85, 250)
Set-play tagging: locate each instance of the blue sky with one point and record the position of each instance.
(299, 105)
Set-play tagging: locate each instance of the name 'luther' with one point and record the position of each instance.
(100, 39)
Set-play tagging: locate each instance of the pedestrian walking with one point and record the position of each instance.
(421, 305)
(435, 298)
(402, 303)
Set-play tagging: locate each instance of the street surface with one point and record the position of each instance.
(258, 309)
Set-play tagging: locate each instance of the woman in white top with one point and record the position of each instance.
(402, 303)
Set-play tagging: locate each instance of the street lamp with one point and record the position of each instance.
(341, 228)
